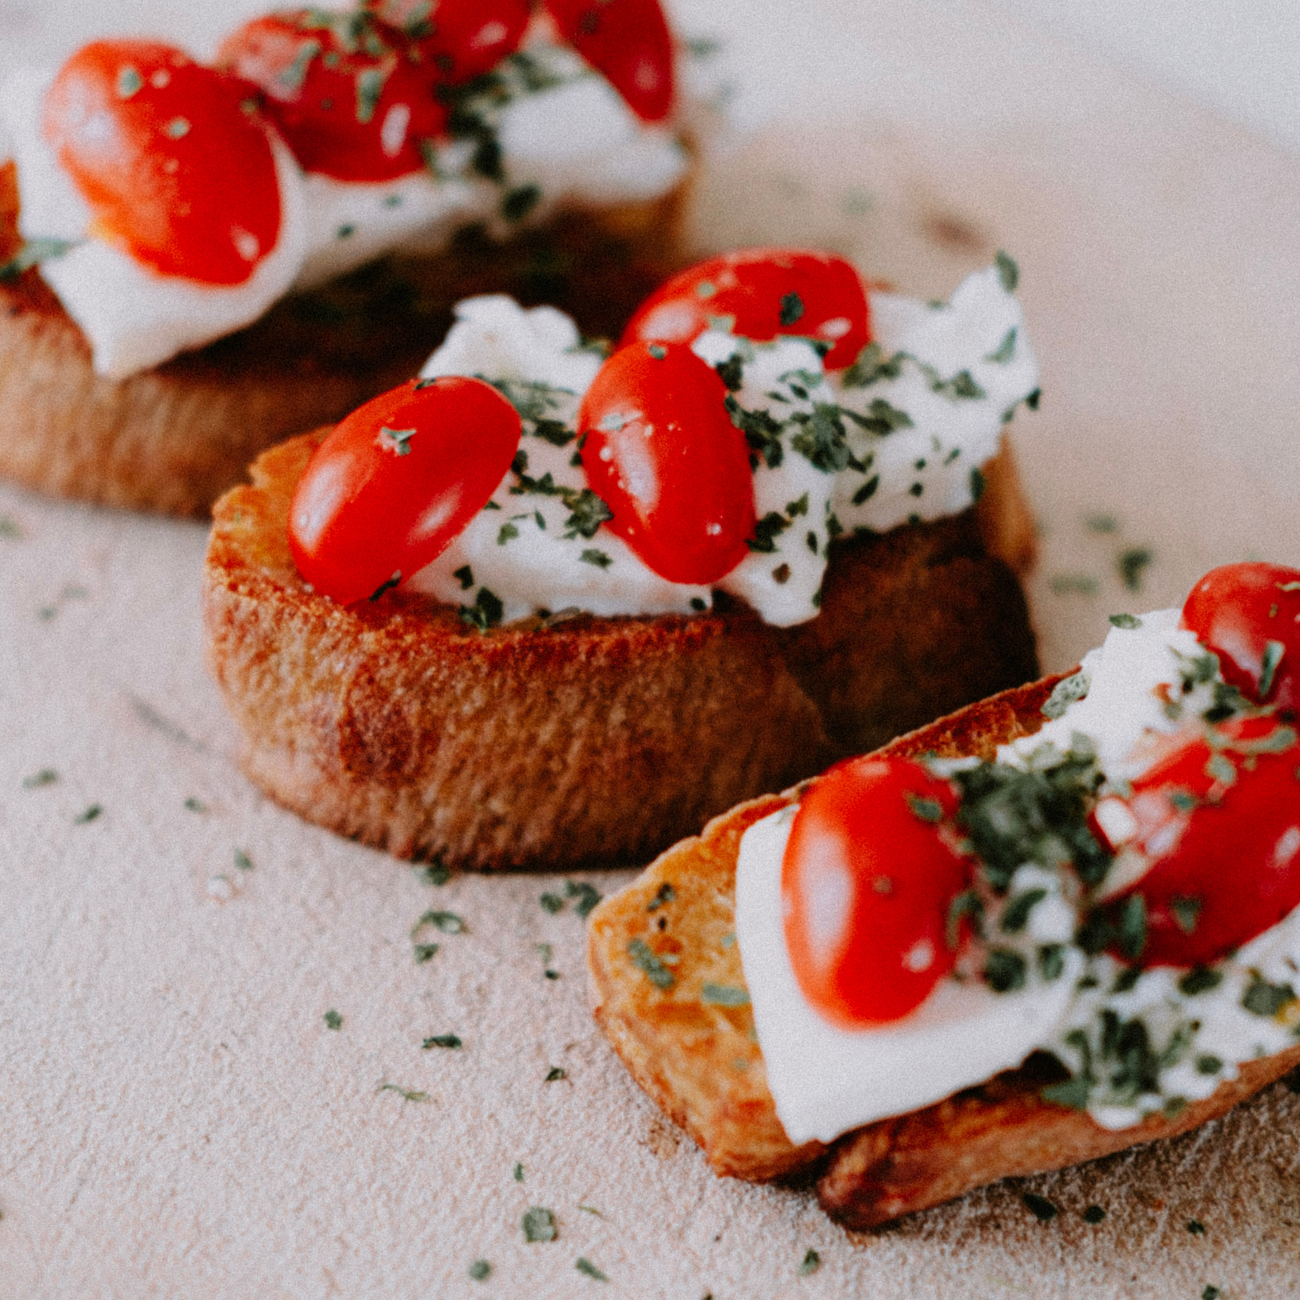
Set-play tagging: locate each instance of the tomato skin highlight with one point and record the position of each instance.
(397, 481)
(755, 285)
(629, 43)
(458, 40)
(354, 109)
(1228, 868)
(1235, 611)
(659, 449)
(866, 886)
(151, 140)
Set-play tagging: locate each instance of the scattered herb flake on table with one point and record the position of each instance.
(95, 810)
(442, 1040)
(1040, 1207)
(333, 1020)
(46, 776)
(538, 1224)
(812, 1261)
(584, 1265)
(480, 1270)
(554, 1073)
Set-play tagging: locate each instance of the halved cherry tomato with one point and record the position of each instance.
(1222, 821)
(152, 141)
(1249, 615)
(627, 42)
(867, 882)
(458, 39)
(660, 450)
(394, 484)
(351, 97)
(769, 291)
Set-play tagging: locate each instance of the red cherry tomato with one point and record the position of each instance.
(629, 43)
(1241, 610)
(394, 484)
(152, 140)
(1227, 852)
(866, 885)
(458, 39)
(660, 450)
(350, 97)
(769, 291)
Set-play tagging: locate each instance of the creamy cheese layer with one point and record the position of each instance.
(562, 135)
(899, 437)
(826, 1081)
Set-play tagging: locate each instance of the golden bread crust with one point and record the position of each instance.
(174, 438)
(702, 1063)
(589, 741)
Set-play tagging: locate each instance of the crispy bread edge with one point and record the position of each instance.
(883, 1170)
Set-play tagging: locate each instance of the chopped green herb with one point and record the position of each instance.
(792, 309)
(480, 1270)
(386, 586)
(95, 810)
(1199, 980)
(1005, 350)
(967, 903)
(485, 612)
(196, 805)
(424, 952)
(1016, 915)
(447, 922)
(766, 531)
(657, 351)
(8, 528)
(1211, 1293)
(584, 1265)
(1273, 651)
(436, 873)
(1094, 1214)
(333, 1020)
(872, 365)
(1208, 1064)
(129, 81)
(555, 1073)
(978, 483)
(723, 995)
(46, 776)
(177, 129)
(406, 1094)
(698, 605)
(928, 810)
(1051, 960)
(1004, 970)
(516, 204)
(731, 372)
(585, 896)
(370, 86)
(645, 960)
(465, 576)
(539, 1225)
(1008, 271)
(591, 1209)
(507, 533)
(1102, 523)
(1073, 1092)
(867, 490)
(400, 438)
(587, 513)
(822, 438)
(1196, 1227)
(595, 557)
(1040, 1207)
(1264, 999)
(810, 1263)
(1131, 565)
(664, 894)
(518, 1172)
(761, 431)
(1127, 621)
(1187, 911)
(32, 253)
(442, 1040)
(552, 903)
(1064, 693)
(1132, 932)
(881, 418)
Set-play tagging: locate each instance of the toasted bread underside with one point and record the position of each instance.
(700, 1061)
(174, 438)
(585, 741)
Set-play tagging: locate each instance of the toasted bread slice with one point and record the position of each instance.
(584, 741)
(174, 438)
(701, 1063)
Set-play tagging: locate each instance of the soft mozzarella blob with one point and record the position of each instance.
(920, 470)
(133, 317)
(575, 141)
(826, 1081)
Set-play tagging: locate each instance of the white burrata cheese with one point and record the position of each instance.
(826, 1080)
(913, 452)
(133, 317)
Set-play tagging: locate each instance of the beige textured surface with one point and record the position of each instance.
(175, 1118)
